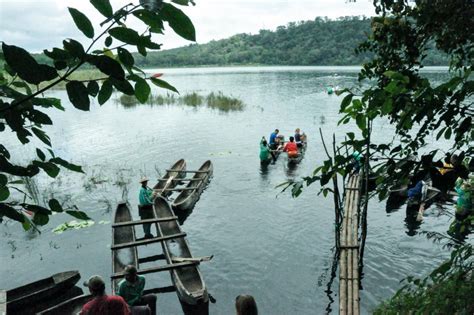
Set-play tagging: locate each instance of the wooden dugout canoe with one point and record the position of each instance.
(188, 197)
(190, 286)
(124, 234)
(39, 291)
(69, 307)
(174, 172)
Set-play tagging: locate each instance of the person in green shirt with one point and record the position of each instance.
(131, 289)
(265, 153)
(145, 206)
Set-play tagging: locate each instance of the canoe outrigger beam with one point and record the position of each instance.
(138, 222)
(187, 171)
(177, 189)
(170, 288)
(349, 246)
(151, 258)
(179, 180)
(158, 269)
(147, 241)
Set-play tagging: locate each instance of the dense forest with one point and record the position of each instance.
(319, 42)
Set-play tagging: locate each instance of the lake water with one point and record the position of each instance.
(265, 243)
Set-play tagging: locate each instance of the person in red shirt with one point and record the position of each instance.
(102, 303)
(291, 147)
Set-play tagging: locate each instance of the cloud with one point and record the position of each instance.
(40, 24)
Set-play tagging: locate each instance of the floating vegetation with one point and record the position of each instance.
(72, 225)
(214, 100)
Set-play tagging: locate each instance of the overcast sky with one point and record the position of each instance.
(39, 24)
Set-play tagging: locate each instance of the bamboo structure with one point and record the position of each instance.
(349, 251)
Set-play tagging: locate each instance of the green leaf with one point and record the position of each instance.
(447, 134)
(48, 102)
(360, 120)
(39, 117)
(93, 88)
(125, 35)
(142, 90)
(123, 86)
(11, 213)
(74, 48)
(36, 209)
(104, 7)
(163, 84)
(3, 180)
(151, 19)
(78, 95)
(55, 206)
(50, 168)
(40, 154)
(78, 214)
(26, 66)
(4, 193)
(23, 85)
(41, 135)
(105, 92)
(346, 101)
(66, 164)
(40, 219)
(178, 21)
(108, 66)
(108, 41)
(57, 54)
(182, 2)
(126, 57)
(82, 22)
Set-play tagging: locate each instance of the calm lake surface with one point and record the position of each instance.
(265, 243)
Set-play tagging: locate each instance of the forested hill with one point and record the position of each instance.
(318, 42)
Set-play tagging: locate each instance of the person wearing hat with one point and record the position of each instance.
(145, 206)
(131, 289)
(102, 303)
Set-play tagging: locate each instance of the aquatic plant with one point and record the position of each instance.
(224, 103)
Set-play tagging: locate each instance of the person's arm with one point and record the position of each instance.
(141, 285)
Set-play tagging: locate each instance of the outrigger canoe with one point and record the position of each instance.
(39, 291)
(123, 234)
(171, 178)
(188, 281)
(191, 193)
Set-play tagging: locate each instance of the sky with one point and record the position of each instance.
(42, 24)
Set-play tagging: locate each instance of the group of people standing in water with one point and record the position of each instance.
(276, 144)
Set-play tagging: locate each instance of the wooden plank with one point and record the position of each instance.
(147, 241)
(138, 222)
(177, 189)
(151, 258)
(188, 171)
(168, 289)
(167, 267)
(180, 180)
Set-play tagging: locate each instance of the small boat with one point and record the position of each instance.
(69, 307)
(190, 286)
(171, 178)
(124, 234)
(190, 194)
(39, 291)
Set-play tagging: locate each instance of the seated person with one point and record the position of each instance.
(265, 153)
(131, 289)
(273, 139)
(298, 140)
(291, 148)
(102, 303)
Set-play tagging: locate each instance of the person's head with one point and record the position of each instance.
(277, 131)
(144, 181)
(130, 273)
(292, 139)
(96, 285)
(245, 305)
(264, 142)
(297, 130)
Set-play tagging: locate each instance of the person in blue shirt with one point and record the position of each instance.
(145, 206)
(273, 139)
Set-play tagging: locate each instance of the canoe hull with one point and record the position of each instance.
(69, 307)
(180, 165)
(190, 286)
(187, 199)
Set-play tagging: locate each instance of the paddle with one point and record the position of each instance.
(196, 259)
(167, 184)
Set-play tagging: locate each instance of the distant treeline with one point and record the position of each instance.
(319, 42)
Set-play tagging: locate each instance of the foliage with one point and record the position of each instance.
(24, 80)
(318, 42)
(447, 290)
